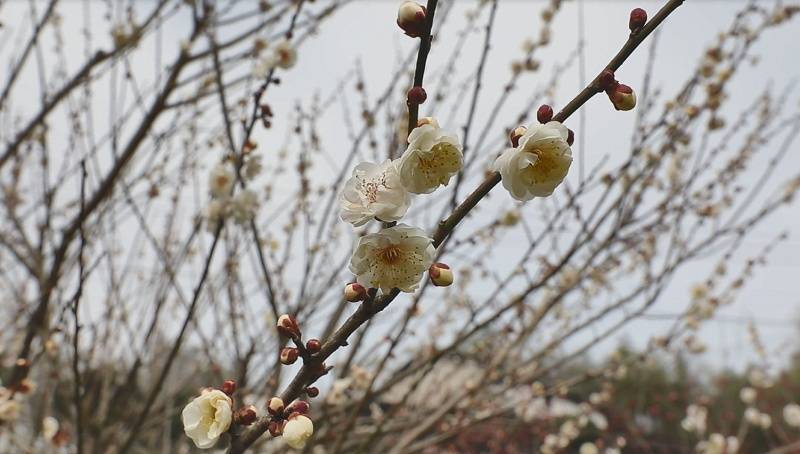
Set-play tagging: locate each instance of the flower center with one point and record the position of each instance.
(391, 254)
(222, 181)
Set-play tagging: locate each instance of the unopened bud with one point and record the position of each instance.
(246, 416)
(312, 391)
(622, 96)
(638, 19)
(441, 274)
(275, 406)
(287, 326)
(607, 80)
(313, 345)
(411, 18)
(229, 387)
(417, 95)
(427, 121)
(275, 428)
(354, 292)
(516, 134)
(544, 114)
(299, 407)
(570, 137)
(289, 355)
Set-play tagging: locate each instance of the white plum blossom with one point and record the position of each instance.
(297, 431)
(243, 206)
(373, 191)
(791, 414)
(50, 427)
(589, 448)
(719, 444)
(395, 257)
(538, 164)
(695, 420)
(430, 160)
(207, 417)
(284, 54)
(747, 395)
(220, 181)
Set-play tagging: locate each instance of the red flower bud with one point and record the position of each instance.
(411, 18)
(246, 415)
(544, 114)
(275, 428)
(289, 355)
(229, 387)
(355, 292)
(313, 345)
(516, 134)
(441, 275)
(275, 406)
(312, 391)
(622, 96)
(287, 326)
(417, 95)
(298, 406)
(638, 19)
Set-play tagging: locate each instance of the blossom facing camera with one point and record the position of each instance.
(220, 181)
(441, 275)
(622, 96)
(747, 395)
(284, 54)
(287, 326)
(297, 431)
(373, 191)
(539, 164)
(411, 18)
(638, 19)
(354, 292)
(791, 414)
(395, 257)
(207, 417)
(430, 160)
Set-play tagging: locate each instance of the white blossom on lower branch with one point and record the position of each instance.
(207, 417)
(395, 257)
(431, 159)
(297, 431)
(539, 164)
(373, 191)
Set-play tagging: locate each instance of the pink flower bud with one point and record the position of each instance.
(441, 274)
(275, 428)
(229, 387)
(287, 326)
(313, 345)
(299, 407)
(516, 134)
(355, 292)
(417, 95)
(607, 80)
(544, 114)
(638, 19)
(275, 406)
(312, 391)
(411, 18)
(622, 96)
(246, 416)
(289, 355)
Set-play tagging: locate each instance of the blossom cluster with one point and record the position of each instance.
(240, 207)
(398, 256)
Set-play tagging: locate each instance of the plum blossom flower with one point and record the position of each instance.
(9, 408)
(50, 427)
(538, 164)
(747, 395)
(207, 417)
(297, 431)
(373, 191)
(719, 444)
(431, 159)
(243, 206)
(395, 257)
(220, 181)
(791, 414)
(695, 420)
